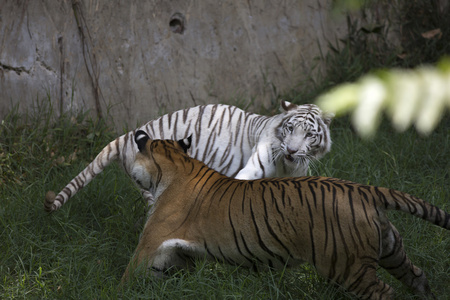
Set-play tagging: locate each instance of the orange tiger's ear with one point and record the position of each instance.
(141, 138)
(185, 143)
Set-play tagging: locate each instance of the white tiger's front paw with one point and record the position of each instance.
(249, 175)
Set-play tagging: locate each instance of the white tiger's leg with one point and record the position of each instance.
(397, 263)
(260, 164)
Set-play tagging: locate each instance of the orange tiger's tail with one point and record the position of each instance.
(103, 159)
(392, 199)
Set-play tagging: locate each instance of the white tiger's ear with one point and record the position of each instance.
(327, 118)
(286, 105)
(185, 143)
(141, 138)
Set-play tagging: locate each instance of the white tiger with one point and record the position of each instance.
(234, 142)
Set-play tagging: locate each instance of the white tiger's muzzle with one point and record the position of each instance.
(294, 155)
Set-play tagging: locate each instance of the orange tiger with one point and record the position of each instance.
(338, 226)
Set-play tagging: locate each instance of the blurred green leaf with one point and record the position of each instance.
(418, 96)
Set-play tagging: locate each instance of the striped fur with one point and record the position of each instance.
(338, 226)
(227, 139)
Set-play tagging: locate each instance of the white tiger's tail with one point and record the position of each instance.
(104, 158)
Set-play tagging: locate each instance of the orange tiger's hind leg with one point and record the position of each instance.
(366, 285)
(396, 262)
(358, 275)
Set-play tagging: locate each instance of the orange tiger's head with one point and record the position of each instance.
(158, 158)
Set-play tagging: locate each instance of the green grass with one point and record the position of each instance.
(82, 250)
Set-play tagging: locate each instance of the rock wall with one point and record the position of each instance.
(133, 60)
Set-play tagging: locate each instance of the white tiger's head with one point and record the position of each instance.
(304, 133)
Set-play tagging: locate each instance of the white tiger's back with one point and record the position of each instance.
(222, 136)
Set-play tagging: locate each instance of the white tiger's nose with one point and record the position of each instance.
(290, 150)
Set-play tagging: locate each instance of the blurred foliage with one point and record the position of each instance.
(408, 46)
(420, 96)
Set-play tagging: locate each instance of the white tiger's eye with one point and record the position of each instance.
(289, 128)
(309, 135)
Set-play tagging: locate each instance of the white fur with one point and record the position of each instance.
(168, 254)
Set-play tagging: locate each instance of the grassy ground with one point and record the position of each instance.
(81, 251)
